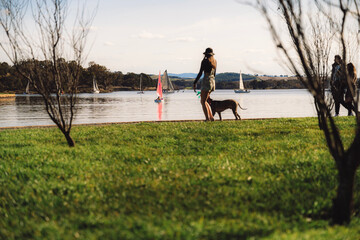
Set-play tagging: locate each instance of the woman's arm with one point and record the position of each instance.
(215, 67)
(199, 74)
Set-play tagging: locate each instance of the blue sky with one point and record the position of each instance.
(152, 35)
(156, 35)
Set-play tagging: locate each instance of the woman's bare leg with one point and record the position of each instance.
(205, 105)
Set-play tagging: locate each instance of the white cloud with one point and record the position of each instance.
(149, 35)
(183, 59)
(109, 43)
(182, 39)
(209, 23)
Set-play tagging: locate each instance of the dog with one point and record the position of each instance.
(219, 106)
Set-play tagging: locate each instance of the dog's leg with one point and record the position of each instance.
(220, 116)
(237, 116)
(213, 113)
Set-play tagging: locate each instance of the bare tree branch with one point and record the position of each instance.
(40, 54)
(312, 52)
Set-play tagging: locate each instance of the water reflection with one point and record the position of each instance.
(159, 110)
(27, 110)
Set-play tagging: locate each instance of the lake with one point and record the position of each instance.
(28, 110)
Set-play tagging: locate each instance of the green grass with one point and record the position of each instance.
(259, 179)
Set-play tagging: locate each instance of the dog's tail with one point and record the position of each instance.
(241, 107)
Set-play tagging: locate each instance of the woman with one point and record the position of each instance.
(208, 66)
(351, 87)
(336, 83)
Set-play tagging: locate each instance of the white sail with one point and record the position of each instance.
(241, 86)
(95, 86)
(166, 83)
(241, 82)
(27, 90)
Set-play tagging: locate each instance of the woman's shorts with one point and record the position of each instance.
(208, 84)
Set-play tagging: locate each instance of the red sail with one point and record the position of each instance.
(159, 88)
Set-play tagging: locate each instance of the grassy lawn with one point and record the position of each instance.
(258, 179)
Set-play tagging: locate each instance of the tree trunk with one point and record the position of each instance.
(69, 140)
(343, 203)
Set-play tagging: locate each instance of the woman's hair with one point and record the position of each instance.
(212, 61)
(351, 70)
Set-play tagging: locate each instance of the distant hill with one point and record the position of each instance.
(231, 77)
(230, 80)
(228, 76)
(183, 75)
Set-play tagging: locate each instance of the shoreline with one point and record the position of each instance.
(138, 122)
(7, 95)
(128, 89)
(102, 124)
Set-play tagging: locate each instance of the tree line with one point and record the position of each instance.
(108, 81)
(12, 81)
(262, 84)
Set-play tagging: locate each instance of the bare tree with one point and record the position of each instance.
(320, 47)
(38, 42)
(303, 58)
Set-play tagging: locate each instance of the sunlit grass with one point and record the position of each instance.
(189, 180)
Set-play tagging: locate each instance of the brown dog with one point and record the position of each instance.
(219, 106)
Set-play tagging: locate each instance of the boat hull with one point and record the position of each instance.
(241, 91)
(167, 92)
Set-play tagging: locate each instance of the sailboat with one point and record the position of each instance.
(166, 83)
(27, 89)
(159, 91)
(241, 86)
(95, 86)
(141, 91)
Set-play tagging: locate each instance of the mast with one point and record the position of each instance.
(140, 81)
(241, 83)
(27, 90)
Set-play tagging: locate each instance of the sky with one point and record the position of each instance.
(148, 36)
(157, 35)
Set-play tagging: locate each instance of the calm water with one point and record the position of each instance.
(129, 106)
